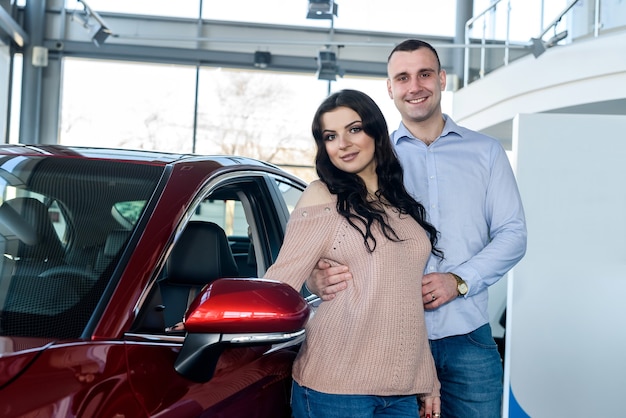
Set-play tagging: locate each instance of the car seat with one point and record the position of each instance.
(201, 255)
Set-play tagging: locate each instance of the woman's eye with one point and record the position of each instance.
(356, 129)
(329, 137)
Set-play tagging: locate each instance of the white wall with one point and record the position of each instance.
(566, 342)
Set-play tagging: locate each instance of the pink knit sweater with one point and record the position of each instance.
(371, 339)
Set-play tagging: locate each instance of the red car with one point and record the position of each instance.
(105, 251)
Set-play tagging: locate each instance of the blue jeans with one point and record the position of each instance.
(308, 403)
(470, 371)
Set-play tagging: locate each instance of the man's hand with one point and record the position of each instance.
(325, 281)
(438, 289)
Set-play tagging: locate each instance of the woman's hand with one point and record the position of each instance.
(430, 407)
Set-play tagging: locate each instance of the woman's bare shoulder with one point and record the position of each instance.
(315, 194)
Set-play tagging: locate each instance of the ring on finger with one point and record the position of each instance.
(432, 295)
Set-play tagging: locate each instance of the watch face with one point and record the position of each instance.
(462, 288)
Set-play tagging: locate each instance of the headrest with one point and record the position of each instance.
(201, 255)
(45, 244)
(17, 226)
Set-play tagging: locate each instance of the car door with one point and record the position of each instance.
(252, 211)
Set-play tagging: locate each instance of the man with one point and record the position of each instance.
(465, 181)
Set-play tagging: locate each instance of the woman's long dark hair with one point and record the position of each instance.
(352, 194)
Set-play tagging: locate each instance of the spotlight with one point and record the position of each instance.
(322, 9)
(327, 68)
(99, 30)
(262, 59)
(539, 47)
(100, 35)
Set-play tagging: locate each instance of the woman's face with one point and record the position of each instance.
(350, 149)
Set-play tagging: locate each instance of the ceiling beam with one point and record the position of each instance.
(11, 28)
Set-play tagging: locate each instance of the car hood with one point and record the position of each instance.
(17, 353)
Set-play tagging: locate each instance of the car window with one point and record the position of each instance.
(63, 226)
(227, 213)
(291, 194)
(127, 213)
(246, 211)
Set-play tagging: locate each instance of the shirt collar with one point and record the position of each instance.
(449, 127)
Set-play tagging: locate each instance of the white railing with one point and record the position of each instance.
(468, 26)
(536, 45)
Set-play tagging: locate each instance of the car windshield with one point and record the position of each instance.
(63, 225)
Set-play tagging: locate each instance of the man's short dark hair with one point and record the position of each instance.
(411, 45)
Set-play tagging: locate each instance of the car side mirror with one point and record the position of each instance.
(238, 312)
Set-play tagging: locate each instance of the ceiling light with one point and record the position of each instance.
(327, 68)
(262, 59)
(322, 9)
(92, 21)
(539, 47)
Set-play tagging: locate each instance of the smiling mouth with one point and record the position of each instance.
(349, 157)
(416, 101)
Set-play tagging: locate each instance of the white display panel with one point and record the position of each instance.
(566, 345)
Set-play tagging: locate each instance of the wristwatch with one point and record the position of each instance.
(461, 286)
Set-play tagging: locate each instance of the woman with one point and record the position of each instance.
(366, 353)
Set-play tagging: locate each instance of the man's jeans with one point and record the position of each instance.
(308, 403)
(470, 371)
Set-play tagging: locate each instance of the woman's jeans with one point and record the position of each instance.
(308, 403)
(470, 371)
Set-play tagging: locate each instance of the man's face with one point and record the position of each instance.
(415, 84)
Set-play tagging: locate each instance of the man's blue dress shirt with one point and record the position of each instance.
(465, 182)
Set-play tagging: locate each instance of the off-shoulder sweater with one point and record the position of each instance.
(371, 339)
